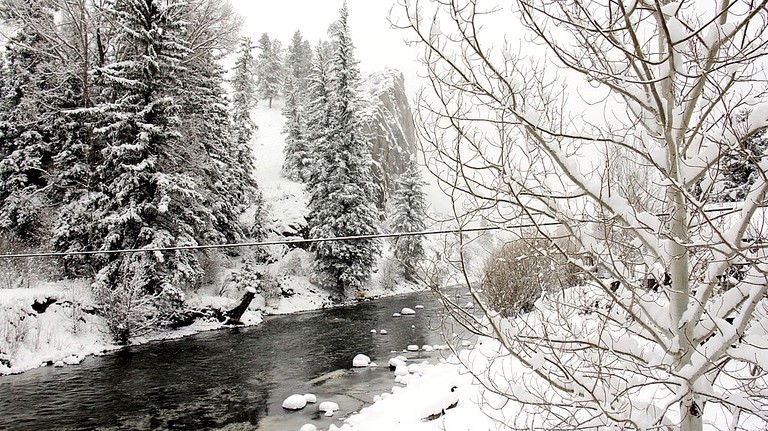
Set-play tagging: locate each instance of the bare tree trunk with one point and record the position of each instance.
(235, 315)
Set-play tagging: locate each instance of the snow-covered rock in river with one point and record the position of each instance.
(311, 398)
(383, 332)
(361, 361)
(295, 402)
(395, 314)
(407, 311)
(419, 307)
(308, 427)
(401, 370)
(394, 363)
(413, 348)
(328, 407)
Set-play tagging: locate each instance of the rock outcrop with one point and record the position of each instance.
(390, 124)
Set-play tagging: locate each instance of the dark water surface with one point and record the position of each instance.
(233, 379)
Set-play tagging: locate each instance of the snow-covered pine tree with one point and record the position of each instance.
(270, 68)
(317, 111)
(738, 169)
(298, 66)
(409, 212)
(341, 202)
(145, 197)
(243, 100)
(296, 165)
(222, 163)
(298, 63)
(28, 108)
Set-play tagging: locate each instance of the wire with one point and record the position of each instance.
(265, 243)
(297, 241)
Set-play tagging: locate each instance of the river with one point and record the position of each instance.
(231, 379)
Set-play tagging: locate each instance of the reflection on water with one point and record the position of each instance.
(229, 379)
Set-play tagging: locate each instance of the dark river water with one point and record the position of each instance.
(232, 379)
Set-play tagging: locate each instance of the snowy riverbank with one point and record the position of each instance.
(55, 324)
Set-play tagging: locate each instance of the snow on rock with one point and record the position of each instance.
(361, 361)
(383, 332)
(427, 348)
(401, 370)
(395, 362)
(413, 348)
(311, 398)
(73, 360)
(373, 331)
(419, 307)
(395, 314)
(328, 407)
(295, 402)
(308, 427)
(407, 311)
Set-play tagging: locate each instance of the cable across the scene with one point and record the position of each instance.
(274, 242)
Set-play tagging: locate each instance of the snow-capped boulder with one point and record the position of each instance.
(394, 363)
(413, 348)
(311, 398)
(401, 370)
(402, 358)
(308, 427)
(427, 348)
(295, 402)
(383, 332)
(58, 364)
(395, 314)
(328, 407)
(361, 361)
(419, 307)
(373, 331)
(73, 360)
(407, 311)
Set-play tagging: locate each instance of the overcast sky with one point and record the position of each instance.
(377, 45)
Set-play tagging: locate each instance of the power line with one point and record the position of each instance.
(265, 243)
(301, 240)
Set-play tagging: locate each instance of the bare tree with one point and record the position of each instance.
(525, 100)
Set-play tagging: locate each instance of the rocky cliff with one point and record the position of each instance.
(390, 124)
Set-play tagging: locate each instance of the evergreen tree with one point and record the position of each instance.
(243, 100)
(297, 163)
(29, 107)
(145, 198)
(409, 214)
(317, 111)
(341, 202)
(270, 68)
(737, 170)
(224, 177)
(298, 64)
